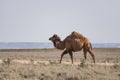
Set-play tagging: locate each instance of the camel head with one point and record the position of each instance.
(55, 38)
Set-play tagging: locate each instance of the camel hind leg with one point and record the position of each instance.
(85, 53)
(88, 48)
(92, 55)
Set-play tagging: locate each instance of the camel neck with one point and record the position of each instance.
(56, 42)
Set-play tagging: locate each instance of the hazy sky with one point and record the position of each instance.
(37, 20)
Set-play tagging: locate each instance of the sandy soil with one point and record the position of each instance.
(111, 55)
(43, 64)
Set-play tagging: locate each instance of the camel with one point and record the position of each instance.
(73, 43)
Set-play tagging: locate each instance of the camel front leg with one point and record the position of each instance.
(71, 56)
(65, 52)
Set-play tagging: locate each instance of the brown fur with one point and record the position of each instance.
(76, 35)
(72, 43)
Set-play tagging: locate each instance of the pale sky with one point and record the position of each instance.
(37, 20)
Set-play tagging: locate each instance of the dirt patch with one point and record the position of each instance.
(54, 62)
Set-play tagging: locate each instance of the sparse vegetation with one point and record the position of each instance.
(17, 71)
(29, 69)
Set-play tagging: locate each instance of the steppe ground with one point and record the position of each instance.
(43, 64)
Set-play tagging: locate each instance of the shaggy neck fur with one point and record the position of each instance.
(59, 45)
(55, 43)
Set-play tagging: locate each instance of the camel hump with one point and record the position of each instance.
(77, 35)
(74, 35)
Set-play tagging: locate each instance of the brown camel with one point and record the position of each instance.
(73, 43)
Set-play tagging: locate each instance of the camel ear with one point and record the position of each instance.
(55, 35)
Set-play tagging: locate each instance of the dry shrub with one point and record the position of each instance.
(28, 74)
(45, 77)
(116, 67)
(61, 76)
(72, 78)
(7, 61)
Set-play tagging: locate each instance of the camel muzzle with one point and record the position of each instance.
(50, 39)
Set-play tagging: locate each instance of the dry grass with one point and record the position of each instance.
(55, 71)
(43, 65)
